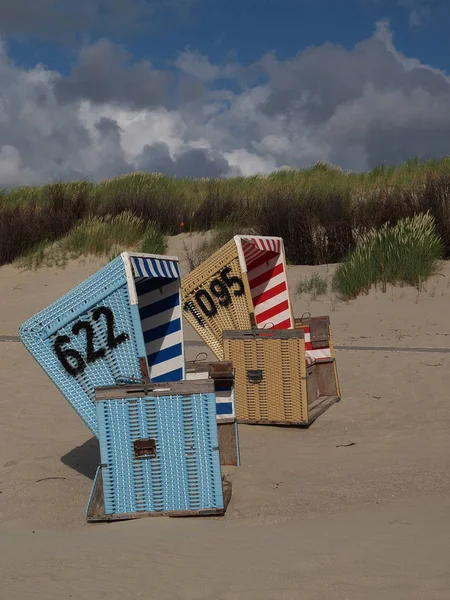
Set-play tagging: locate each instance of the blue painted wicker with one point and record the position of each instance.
(111, 293)
(223, 387)
(184, 473)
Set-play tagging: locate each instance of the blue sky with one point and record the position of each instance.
(245, 30)
(219, 88)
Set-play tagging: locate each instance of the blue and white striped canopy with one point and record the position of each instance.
(154, 267)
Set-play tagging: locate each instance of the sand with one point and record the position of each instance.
(309, 518)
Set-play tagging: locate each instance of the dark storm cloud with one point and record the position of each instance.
(323, 78)
(112, 161)
(190, 163)
(370, 99)
(62, 20)
(105, 73)
(356, 108)
(189, 89)
(41, 19)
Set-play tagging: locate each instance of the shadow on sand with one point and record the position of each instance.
(84, 459)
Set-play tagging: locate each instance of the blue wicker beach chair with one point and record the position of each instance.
(159, 452)
(121, 325)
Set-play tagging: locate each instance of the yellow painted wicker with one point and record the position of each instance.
(270, 375)
(242, 285)
(234, 316)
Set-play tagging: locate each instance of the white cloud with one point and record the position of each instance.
(197, 65)
(11, 169)
(384, 34)
(245, 163)
(356, 108)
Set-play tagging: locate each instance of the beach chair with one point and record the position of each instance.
(121, 325)
(159, 452)
(242, 285)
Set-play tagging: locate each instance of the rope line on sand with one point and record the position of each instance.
(393, 349)
(15, 338)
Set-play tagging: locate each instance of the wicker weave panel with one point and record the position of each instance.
(106, 288)
(281, 395)
(234, 316)
(183, 475)
(209, 267)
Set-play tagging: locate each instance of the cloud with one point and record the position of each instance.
(418, 16)
(197, 65)
(419, 11)
(104, 73)
(356, 108)
(62, 20)
(194, 162)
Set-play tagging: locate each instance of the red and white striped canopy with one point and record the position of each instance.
(262, 258)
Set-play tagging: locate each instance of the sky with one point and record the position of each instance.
(95, 89)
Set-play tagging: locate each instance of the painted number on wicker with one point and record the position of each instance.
(219, 288)
(92, 354)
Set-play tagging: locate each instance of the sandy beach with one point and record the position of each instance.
(310, 516)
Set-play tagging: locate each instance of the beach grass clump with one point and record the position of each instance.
(320, 211)
(38, 221)
(102, 235)
(151, 196)
(97, 236)
(315, 222)
(316, 286)
(406, 253)
(153, 242)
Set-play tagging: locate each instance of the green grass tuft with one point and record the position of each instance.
(406, 253)
(94, 236)
(315, 286)
(153, 242)
(101, 236)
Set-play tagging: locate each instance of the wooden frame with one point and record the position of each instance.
(321, 343)
(227, 427)
(95, 511)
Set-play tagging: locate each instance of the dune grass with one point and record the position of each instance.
(97, 236)
(407, 253)
(153, 242)
(101, 235)
(315, 286)
(320, 212)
